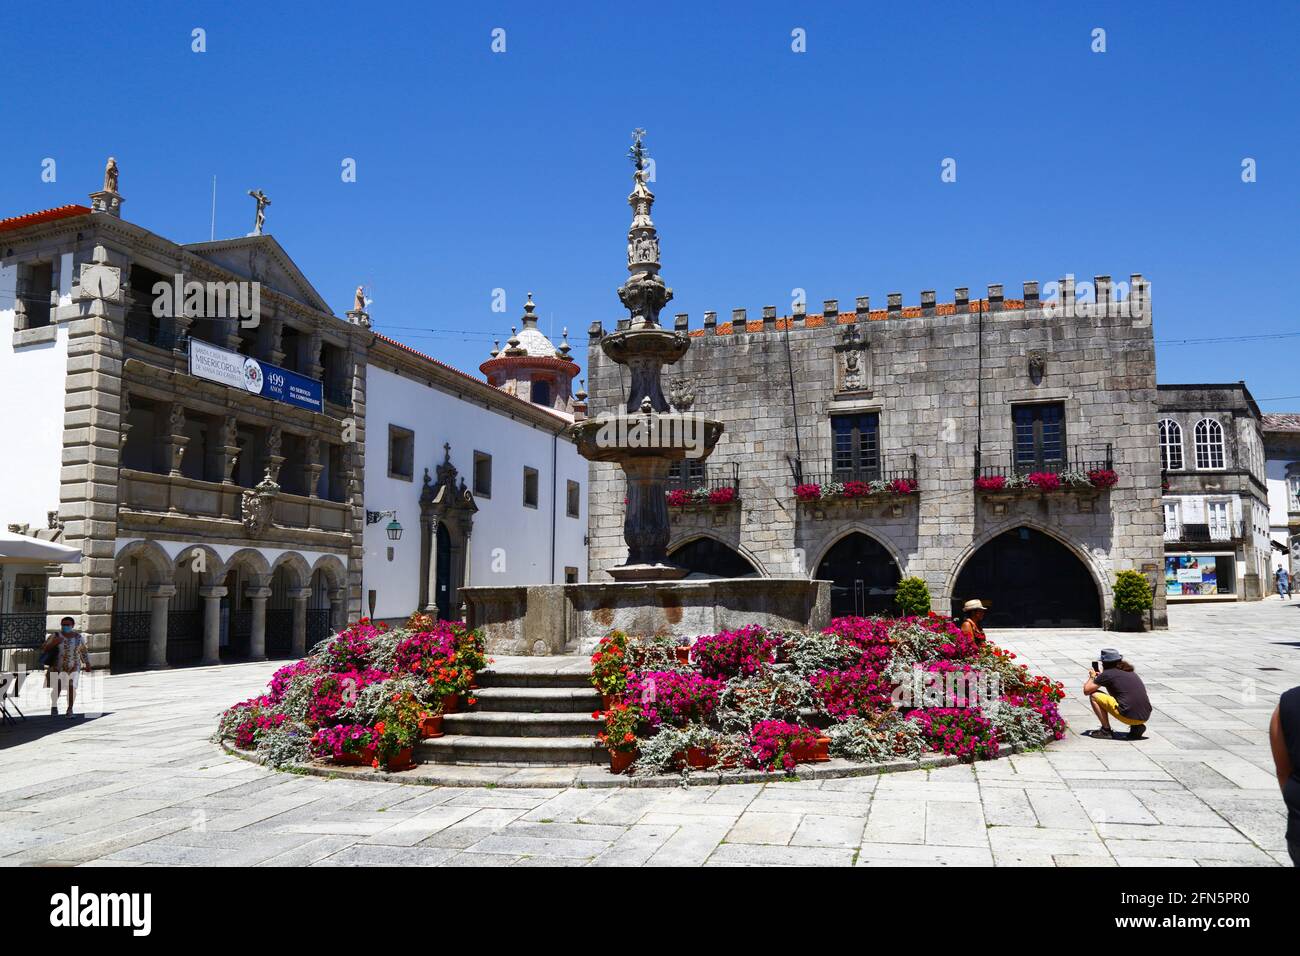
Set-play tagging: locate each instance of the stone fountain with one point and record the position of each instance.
(644, 438)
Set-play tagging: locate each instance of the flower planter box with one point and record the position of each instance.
(431, 726)
(817, 752)
(620, 760)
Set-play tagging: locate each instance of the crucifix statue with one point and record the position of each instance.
(262, 203)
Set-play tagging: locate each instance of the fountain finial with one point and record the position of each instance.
(644, 294)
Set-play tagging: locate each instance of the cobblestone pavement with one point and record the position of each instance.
(142, 785)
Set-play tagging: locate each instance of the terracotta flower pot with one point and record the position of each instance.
(683, 653)
(606, 701)
(620, 760)
(430, 726)
(700, 758)
(451, 704)
(362, 759)
(398, 761)
(817, 752)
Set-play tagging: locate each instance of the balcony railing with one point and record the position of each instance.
(189, 497)
(1077, 459)
(1193, 534)
(708, 483)
(825, 472)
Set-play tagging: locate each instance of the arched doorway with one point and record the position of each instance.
(1029, 579)
(279, 614)
(863, 575)
(710, 558)
(318, 610)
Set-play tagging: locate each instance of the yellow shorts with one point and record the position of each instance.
(1111, 706)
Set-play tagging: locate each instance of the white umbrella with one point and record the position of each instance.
(23, 549)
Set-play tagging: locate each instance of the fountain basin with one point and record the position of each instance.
(538, 620)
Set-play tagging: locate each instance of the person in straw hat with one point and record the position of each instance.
(973, 613)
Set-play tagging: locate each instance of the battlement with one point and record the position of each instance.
(1061, 297)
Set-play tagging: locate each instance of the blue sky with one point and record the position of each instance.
(775, 170)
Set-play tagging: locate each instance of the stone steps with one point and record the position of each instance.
(513, 724)
(530, 712)
(537, 700)
(511, 751)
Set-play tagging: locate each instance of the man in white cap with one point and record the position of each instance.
(1116, 691)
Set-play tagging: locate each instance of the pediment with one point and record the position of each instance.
(261, 259)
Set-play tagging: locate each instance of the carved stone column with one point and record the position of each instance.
(159, 596)
(300, 596)
(257, 633)
(312, 363)
(431, 601)
(273, 458)
(175, 440)
(212, 623)
(465, 577)
(338, 608)
(229, 449)
(275, 340)
(312, 467)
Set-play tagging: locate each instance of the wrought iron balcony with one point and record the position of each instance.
(826, 472)
(705, 489)
(1076, 459)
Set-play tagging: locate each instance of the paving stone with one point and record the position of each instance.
(750, 854)
(759, 827)
(828, 830)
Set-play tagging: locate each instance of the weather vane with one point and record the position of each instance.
(637, 153)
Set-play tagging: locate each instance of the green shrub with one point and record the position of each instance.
(913, 597)
(1132, 592)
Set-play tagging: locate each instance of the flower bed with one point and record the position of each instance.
(681, 497)
(362, 697)
(1099, 479)
(843, 490)
(865, 689)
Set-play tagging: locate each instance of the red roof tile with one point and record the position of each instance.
(45, 215)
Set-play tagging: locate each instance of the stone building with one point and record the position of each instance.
(1215, 503)
(910, 434)
(195, 419)
(1282, 466)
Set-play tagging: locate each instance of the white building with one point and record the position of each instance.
(220, 472)
(1282, 450)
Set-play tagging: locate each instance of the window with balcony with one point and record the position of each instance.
(1039, 435)
(687, 473)
(1209, 444)
(855, 446)
(1171, 445)
(401, 453)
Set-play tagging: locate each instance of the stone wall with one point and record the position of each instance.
(920, 369)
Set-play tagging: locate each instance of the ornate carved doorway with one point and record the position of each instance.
(446, 520)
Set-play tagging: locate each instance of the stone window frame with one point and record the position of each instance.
(1171, 440)
(1040, 461)
(535, 475)
(573, 499)
(1208, 440)
(399, 433)
(570, 574)
(482, 489)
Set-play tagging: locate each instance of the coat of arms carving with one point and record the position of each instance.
(258, 505)
(852, 363)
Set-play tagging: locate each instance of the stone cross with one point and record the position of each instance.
(262, 202)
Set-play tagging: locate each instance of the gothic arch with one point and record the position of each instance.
(858, 527)
(741, 553)
(864, 572)
(1092, 572)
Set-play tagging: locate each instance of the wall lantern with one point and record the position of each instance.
(393, 528)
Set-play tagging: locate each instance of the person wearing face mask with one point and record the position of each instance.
(66, 652)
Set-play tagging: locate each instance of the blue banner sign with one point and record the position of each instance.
(261, 378)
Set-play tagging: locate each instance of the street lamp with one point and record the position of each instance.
(394, 530)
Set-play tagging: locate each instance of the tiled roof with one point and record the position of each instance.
(849, 318)
(505, 396)
(45, 215)
(1282, 422)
